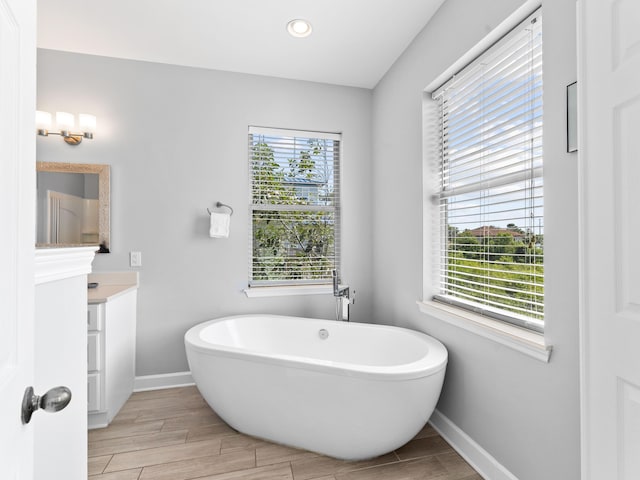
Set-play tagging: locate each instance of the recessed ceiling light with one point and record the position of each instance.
(299, 28)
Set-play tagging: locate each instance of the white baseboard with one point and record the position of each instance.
(164, 380)
(97, 420)
(476, 456)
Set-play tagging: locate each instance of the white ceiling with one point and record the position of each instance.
(354, 42)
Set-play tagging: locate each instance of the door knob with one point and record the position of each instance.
(53, 401)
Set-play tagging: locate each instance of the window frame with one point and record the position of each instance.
(304, 286)
(526, 341)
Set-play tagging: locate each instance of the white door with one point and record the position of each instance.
(17, 238)
(609, 156)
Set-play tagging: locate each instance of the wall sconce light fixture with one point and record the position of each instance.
(65, 123)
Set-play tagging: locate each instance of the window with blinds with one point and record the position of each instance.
(491, 185)
(295, 206)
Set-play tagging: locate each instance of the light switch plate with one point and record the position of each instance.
(135, 259)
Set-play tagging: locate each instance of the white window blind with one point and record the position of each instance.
(491, 184)
(295, 206)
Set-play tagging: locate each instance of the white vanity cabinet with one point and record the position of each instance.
(60, 302)
(111, 341)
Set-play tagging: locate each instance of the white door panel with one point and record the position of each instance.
(17, 238)
(609, 152)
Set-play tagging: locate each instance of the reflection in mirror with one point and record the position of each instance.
(72, 205)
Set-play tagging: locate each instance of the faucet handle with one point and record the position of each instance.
(345, 308)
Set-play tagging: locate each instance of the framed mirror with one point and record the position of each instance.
(73, 205)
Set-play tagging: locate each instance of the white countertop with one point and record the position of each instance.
(111, 285)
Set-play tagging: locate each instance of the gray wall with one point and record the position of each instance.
(176, 140)
(522, 411)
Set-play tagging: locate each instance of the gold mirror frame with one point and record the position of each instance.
(104, 197)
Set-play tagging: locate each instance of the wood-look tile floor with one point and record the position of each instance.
(173, 434)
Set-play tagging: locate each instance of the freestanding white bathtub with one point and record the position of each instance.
(346, 390)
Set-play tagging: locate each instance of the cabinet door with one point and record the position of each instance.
(94, 399)
(94, 317)
(94, 352)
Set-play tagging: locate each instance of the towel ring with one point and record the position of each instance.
(220, 205)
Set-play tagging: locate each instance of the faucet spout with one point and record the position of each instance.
(337, 291)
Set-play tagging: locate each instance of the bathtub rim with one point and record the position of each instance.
(434, 362)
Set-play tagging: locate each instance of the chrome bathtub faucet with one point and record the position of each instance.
(337, 291)
(343, 299)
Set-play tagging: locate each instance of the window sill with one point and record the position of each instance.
(252, 292)
(519, 339)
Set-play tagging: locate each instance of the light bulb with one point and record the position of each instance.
(299, 28)
(87, 123)
(64, 121)
(43, 121)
